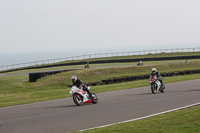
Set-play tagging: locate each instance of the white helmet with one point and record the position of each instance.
(154, 70)
(73, 78)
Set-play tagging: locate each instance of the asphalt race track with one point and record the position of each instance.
(61, 116)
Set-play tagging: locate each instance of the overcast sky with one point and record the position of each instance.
(98, 25)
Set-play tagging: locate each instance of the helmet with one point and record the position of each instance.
(73, 78)
(154, 70)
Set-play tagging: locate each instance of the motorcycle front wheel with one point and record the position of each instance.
(94, 98)
(153, 88)
(78, 99)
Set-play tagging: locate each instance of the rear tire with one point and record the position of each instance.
(94, 98)
(78, 99)
(153, 88)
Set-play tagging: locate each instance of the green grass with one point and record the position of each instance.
(104, 65)
(181, 121)
(96, 75)
(17, 90)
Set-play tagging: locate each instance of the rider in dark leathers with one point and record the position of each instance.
(79, 84)
(157, 74)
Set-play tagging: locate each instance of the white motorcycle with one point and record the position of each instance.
(156, 85)
(80, 96)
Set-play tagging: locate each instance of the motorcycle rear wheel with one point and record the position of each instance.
(94, 98)
(163, 88)
(153, 89)
(78, 99)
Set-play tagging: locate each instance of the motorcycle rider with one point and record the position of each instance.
(157, 74)
(87, 65)
(79, 84)
(141, 62)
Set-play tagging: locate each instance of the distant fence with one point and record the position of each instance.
(92, 56)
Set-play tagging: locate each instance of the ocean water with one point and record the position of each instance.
(18, 58)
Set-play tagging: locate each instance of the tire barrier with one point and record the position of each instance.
(141, 77)
(33, 77)
(110, 61)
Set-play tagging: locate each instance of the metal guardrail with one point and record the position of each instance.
(92, 56)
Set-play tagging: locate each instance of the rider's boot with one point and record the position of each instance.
(163, 86)
(87, 90)
(89, 93)
(161, 83)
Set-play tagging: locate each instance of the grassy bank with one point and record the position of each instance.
(104, 65)
(17, 90)
(181, 121)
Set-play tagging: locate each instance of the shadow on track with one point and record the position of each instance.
(65, 106)
(144, 94)
(68, 106)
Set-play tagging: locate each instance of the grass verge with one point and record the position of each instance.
(181, 121)
(16, 90)
(19, 92)
(103, 65)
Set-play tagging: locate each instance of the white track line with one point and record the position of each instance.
(144, 116)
